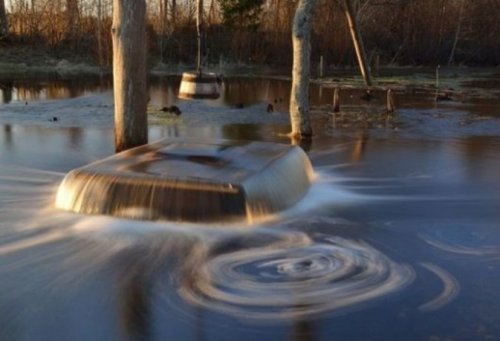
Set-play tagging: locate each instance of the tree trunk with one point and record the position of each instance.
(99, 33)
(174, 14)
(457, 32)
(211, 13)
(199, 22)
(276, 23)
(358, 42)
(129, 73)
(301, 73)
(162, 28)
(4, 25)
(72, 15)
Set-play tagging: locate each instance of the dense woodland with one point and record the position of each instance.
(397, 32)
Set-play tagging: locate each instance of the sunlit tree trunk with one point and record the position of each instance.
(129, 73)
(211, 13)
(301, 39)
(4, 25)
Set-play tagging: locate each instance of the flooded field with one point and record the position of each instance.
(397, 239)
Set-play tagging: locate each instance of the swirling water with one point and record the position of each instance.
(395, 240)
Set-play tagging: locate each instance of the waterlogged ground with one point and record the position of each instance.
(398, 238)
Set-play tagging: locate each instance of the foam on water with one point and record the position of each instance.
(450, 291)
(296, 276)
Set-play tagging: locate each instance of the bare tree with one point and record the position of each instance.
(419, 32)
(301, 39)
(129, 73)
(4, 25)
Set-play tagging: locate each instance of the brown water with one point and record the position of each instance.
(398, 239)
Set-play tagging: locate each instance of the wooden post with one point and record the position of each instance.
(358, 42)
(376, 65)
(336, 100)
(390, 102)
(437, 82)
(129, 73)
(321, 67)
(301, 73)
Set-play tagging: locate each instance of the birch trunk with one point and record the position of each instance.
(301, 73)
(129, 73)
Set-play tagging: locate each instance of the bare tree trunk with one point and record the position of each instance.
(457, 32)
(211, 13)
(174, 13)
(99, 33)
(358, 42)
(72, 15)
(33, 20)
(199, 19)
(162, 28)
(4, 25)
(276, 23)
(301, 73)
(129, 73)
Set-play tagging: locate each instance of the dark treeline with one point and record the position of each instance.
(397, 32)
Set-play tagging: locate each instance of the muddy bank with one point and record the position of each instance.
(97, 111)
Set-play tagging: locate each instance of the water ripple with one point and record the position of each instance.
(450, 291)
(474, 250)
(298, 276)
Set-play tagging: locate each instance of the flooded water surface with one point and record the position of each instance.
(398, 237)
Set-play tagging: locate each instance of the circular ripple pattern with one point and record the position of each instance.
(295, 277)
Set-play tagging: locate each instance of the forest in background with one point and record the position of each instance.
(397, 32)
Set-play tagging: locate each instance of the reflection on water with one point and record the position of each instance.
(236, 92)
(163, 91)
(29, 90)
(241, 92)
